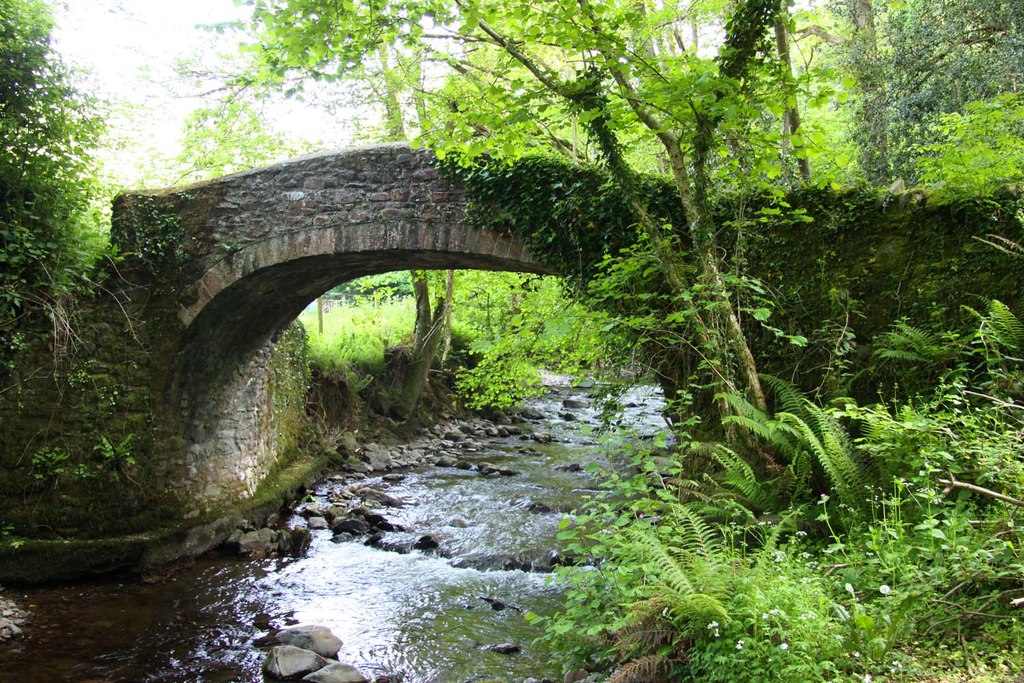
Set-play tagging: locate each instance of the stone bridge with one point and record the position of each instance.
(258, 247)
(183, 352)
(176, 405)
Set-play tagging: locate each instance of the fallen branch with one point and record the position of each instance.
(952, 483)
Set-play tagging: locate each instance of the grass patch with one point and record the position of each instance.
(355, 334)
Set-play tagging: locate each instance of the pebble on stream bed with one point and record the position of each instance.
(12, 618)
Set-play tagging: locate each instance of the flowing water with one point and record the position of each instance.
(427, 615)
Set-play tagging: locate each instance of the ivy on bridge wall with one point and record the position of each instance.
(840, 266)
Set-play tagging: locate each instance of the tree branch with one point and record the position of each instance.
(952, 483)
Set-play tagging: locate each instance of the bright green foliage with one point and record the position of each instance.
(356, 334)
(975, 151)
(912, 68)
(49, 232)
(675, 598)
(517, 325)
(812, 444)
(506, 327)
(230, 136)
(908, 543)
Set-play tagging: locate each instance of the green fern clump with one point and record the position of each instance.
(817, 453)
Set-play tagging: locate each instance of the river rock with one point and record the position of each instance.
(427, 542)
(290, 662)
(318, 523)
(337, 673)
(313, 637)
(351, 525)
(336, 512)
(261, 541)
(575, 403)
(446, 461)
(503, 648)
(491, 470)
(378, 496)
(380, 523)
(376, 457)
(356, 465)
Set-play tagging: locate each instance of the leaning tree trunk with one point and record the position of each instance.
(427, 334)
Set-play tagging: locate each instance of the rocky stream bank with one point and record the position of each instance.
(418, 557)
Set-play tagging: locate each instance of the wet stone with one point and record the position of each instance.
(427, 542)
(313, 637)
(503, 648)
(337, 673)
(288, 661)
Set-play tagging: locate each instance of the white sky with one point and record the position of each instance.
(129, 49)
(120, 40)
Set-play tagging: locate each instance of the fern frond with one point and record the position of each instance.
(832, 453)
(738, 476)
(760, 426)
(1003, 244)
(699, 538)
(742, 407)
(906, 343)
(687, 574)
(788, 397)
(1007, 329)
(647, 669)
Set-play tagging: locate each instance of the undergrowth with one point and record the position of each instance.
(883, 546)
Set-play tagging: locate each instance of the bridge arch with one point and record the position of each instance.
(259, 246)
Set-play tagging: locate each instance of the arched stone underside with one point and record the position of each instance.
(262, 245)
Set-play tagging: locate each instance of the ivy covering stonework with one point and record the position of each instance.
(570, 216)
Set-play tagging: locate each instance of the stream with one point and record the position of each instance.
(404, 614)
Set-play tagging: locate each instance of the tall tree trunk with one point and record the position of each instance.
(872, 124)
(791, 117)
(449, 292)
(394, 121)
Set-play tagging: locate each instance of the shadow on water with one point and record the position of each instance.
(426, 614)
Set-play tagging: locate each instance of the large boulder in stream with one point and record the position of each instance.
(314, 637)
(288, 662)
